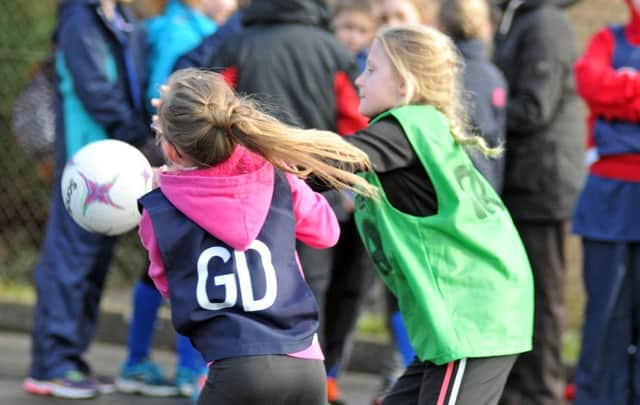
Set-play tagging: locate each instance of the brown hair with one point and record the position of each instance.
(430, 66)
(204, 120)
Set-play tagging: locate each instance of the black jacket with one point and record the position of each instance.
(287, 57)
(535, 48)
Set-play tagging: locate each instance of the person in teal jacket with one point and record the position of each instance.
(440, 236)
(179, 29)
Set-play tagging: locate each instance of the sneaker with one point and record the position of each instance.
(104, 384)
(145, 378)
(333, 391)
(186, 380)
(74, 385)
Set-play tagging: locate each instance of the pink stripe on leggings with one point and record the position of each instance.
(445, 384)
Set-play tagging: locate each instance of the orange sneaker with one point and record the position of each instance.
(333, 391)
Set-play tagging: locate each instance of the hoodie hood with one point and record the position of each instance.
(67, 7)
(511, 7)
(307, 12)
(230, 201)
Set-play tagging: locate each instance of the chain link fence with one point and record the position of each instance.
(26, 130)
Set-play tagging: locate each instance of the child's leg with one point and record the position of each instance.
(146, 301)
(603, 373)
(398, 330)
(281, 380)
(190, 367)
(478, 381)
(188, 356)
(139, 374)
(634, 268)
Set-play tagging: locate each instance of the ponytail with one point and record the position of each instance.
(204, 119)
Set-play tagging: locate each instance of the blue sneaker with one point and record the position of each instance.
(145, 378)
(74, 385)
(186, 379)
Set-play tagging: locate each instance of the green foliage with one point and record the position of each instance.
(25, 31)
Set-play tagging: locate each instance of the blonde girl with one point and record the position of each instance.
(440, 236)
(221, 230)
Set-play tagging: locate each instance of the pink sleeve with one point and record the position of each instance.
(316, 223)
(156, 267)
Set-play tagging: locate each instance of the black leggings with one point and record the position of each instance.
(475, 381)
(273, 380)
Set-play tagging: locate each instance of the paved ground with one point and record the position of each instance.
(358, 388)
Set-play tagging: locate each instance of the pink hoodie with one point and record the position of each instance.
(241, 188)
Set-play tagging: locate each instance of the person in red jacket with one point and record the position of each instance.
(607, 216)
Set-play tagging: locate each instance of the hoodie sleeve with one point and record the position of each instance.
(85, 50)
(609, 93)
(316, 223)
(156, 266)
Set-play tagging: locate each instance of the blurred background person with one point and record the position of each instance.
(468, 23)
(100, 66)
(607, 216)
(396, 12)
(355, 23)
(201, 55)
(535, 48)
(178, 29)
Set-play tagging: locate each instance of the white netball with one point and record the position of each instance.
(101, 185)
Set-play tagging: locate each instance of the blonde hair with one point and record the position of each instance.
(204, 119)
(429, 64)
(465, 19)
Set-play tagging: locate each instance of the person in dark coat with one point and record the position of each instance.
(100, 66)
(535, 48)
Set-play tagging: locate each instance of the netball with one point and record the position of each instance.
(101, 185)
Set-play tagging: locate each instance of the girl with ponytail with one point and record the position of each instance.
(221, 229)
(440, 236)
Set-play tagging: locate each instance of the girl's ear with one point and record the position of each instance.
(402, 90)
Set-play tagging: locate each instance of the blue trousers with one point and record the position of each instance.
(609, 368)
(69, 280)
